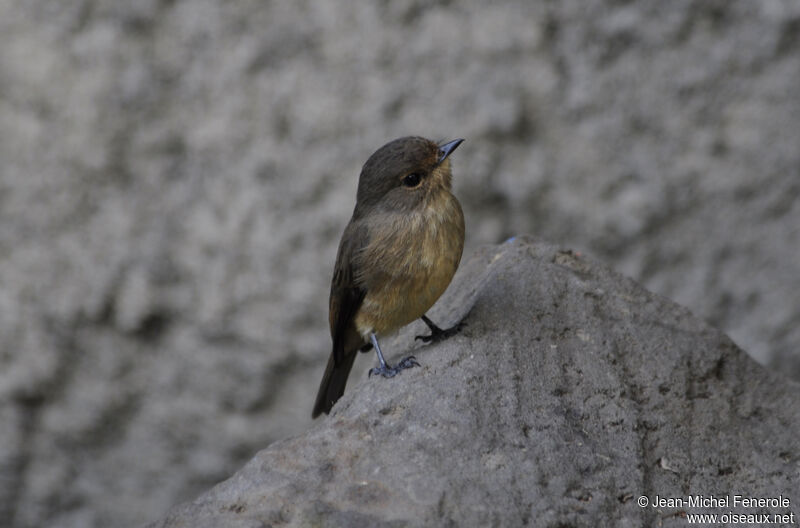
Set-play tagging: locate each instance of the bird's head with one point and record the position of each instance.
(404, 173)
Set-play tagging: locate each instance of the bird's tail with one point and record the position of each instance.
(333, 382)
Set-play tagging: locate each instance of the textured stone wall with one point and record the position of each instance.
(175, 175)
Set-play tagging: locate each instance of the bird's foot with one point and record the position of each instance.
(407, 363)
(438, 334)
(389, 372)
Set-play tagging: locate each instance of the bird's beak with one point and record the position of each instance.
(448, 148)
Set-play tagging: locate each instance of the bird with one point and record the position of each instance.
(396, 257)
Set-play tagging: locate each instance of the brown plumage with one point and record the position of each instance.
(396, 257)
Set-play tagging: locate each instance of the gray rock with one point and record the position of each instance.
(571, 392)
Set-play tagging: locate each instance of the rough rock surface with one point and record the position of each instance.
(571, 392)
(175, 175)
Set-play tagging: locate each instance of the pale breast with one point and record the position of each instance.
(410, 266)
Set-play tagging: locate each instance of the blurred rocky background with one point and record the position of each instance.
(175, 176)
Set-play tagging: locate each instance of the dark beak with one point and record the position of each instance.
(448, 148)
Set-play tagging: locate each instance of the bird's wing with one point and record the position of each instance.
(346, 295)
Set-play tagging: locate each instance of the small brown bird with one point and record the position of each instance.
(396, 257)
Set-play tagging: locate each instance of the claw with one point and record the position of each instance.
(386, 372)
(390, 372)
(408, 362)
(437, 334)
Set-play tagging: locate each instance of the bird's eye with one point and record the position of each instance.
(412, 180)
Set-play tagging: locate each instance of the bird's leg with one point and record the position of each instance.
(437, 334)
(384, 369)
